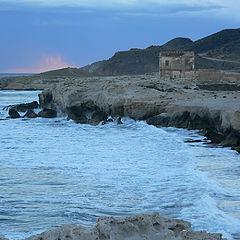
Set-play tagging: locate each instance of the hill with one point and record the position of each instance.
(219, 51)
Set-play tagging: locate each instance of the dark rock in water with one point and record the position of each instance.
(13, 113)
(107, 121)
(86, 113)
(119, 121)
(214, 136)
(232, 139)
(97, 117)
(181, 120)
(24, 106)
(47, 113)
(236, 149)
(30, 114)
(162, 119)
(193, 141)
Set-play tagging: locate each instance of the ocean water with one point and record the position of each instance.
(14, 74)
(55, 172)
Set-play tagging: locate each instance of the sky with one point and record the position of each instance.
(41, 35)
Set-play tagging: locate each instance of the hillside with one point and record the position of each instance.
(219, 51)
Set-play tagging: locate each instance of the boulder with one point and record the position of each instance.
(30, 114)
(23, 107)
(26, 106)
(47, 113)
(13, 113)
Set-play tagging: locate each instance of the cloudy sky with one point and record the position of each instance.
(38, 35)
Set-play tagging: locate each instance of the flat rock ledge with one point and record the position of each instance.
(141, 227)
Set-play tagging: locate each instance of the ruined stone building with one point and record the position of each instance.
(177, 64)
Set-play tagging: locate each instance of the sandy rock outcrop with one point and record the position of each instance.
(142, 227)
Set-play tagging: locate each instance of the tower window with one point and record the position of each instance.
(166, 63)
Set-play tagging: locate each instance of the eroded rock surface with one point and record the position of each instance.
(142, 227)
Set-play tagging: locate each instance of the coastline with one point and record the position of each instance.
(182, 103)
(146, 97)
(208, 105)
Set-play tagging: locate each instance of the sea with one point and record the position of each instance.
(15, 74)
(55, 172)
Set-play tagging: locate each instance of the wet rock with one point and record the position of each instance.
(214, 136)
(232, 140)
(119, 121)
(193, 141)
(45, 98)
(236, 148)
(30, 114)
(97, 117)
(26, 106)
(13, 113)
(162, 119)
(23, 107)
(47, 113)
(86, 113)
(180, 120)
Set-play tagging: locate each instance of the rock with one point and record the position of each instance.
(45, 99)
(236, 148)
(214, 136)
(30, 114)
(181, 120)
(23, 107)
(193, 141)
(26, 106)
(97, 117)
(162, 119)
(3, 238)
(142, 227)
(232, 140)
(119, 121)
(13, 113)
(47, 113)
(86, 113)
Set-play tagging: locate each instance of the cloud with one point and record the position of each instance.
(46, 63)
(136, 4)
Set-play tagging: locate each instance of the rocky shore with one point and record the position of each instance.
(205, 105)
(142, 227)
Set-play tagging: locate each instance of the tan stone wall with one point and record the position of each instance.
(176, 64)
(209, 75)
